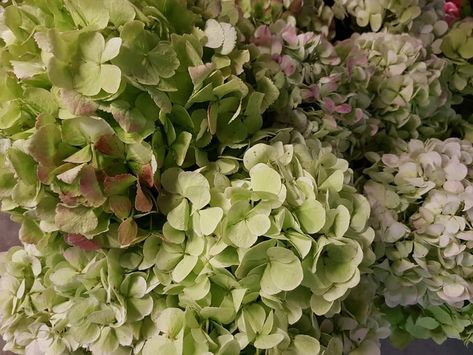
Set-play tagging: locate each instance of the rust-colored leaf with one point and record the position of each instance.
(120, 206)
(89, 186)
(80, 241)
(109, 144)
(142, 202)
(146, 175)
(118, 184)
(127, 232)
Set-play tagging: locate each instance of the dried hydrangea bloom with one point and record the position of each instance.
(422, 203)
(371, 88)
(311, 15)
(423, 19)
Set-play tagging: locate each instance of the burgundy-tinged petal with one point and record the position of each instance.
(80, 241)
(142, 202)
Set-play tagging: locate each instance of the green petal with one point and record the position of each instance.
(311, 215)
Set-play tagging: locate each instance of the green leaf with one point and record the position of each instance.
(427, 322)
(24, 165)
(304, 344)
(265, 179)
(342, 221)
(121, 11)
(107, 342)
(268, 341)
(127, 232)
(319, 305)
(466, 49)
(284, 268)
(78, 220)
(195, 187)
(334, 182)
(88, 13)
(171, 321)
(164, 60)
(178, 218)
(209, 219)
(181, 146)
(184, 267)
(44, 143)
(311, 215)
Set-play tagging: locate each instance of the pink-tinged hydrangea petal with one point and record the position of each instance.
(80, 241)
(288, 65)
(329, 105)
(263, 36)
(343, 108)
(289, 34)
(455, 170)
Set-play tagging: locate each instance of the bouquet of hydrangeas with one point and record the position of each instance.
(235, 176)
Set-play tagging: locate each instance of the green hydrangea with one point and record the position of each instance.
(437, 323)
(248, 253)
(185, 176)
(422, 18)
(100, 96)
(421, 199)
(457, 46)
(311, 15)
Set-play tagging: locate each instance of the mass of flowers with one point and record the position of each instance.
(280, 177)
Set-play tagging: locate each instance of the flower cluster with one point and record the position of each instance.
(422, 209)
(102, 111)
(235, 177)
(373, 87)
(457, 46)
(247, 251)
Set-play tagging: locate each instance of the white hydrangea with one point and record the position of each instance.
(422, 210)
